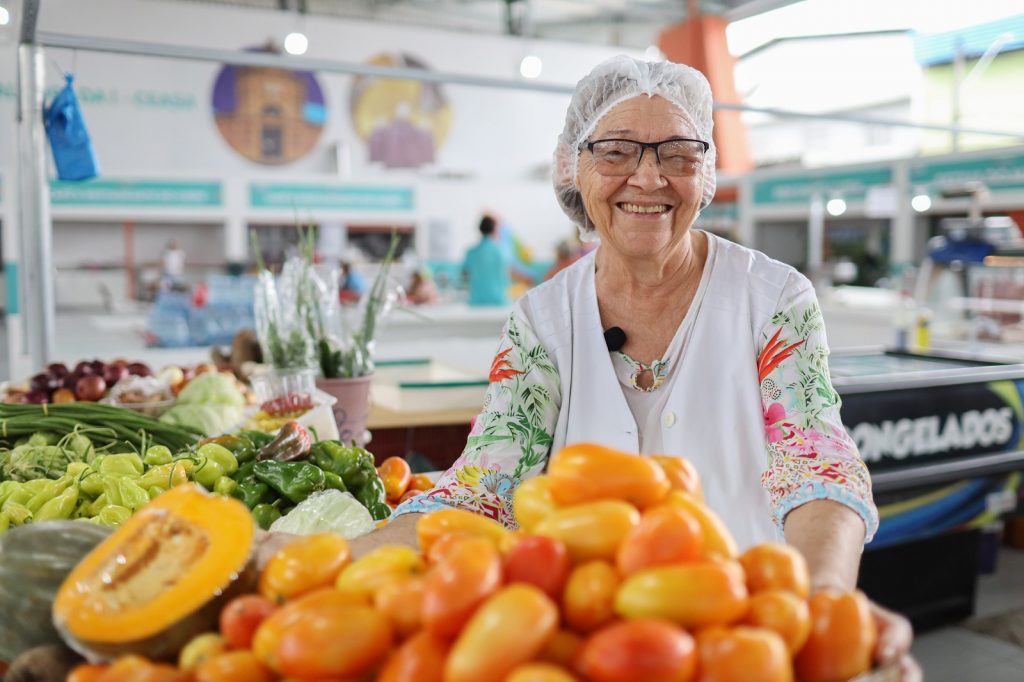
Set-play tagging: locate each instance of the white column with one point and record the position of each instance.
(236, 232)
(901, 239)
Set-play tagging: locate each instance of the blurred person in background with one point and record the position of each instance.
(353, 286)
(173, 267)
(564, 257)
(422, 289)
(486, 267)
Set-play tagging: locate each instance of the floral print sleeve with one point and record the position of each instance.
(511, 438)
(810, 455)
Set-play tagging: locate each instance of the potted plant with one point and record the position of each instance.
(347, 360)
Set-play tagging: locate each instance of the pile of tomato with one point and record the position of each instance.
(619, 572)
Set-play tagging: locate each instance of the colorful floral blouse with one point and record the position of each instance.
(808, 452)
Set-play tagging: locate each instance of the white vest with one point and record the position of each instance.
(713, 415)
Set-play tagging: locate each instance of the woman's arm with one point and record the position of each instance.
(830, 536)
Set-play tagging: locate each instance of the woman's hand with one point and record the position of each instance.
(893, 648)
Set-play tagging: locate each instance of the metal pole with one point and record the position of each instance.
(816, 238)
(35, 229)
(131, 47)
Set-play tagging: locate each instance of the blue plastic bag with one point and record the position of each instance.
(69, 140)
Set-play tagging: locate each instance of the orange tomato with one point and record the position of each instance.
(234, 666)
(138, 669)
(717, 538)
(364, 576)
(588, 601)
(586, 472)
(420, 659)
(681, 473)
(639, 651)
(435, 524)
(307, 564)
(269, 632)
(539, 561)
(562, 649)
(86, 672)
(742, 654)
(440, 548)
(241, 617)
(691, 595)
(774, 566)
(401, 601)
(455, 587)
(539, 672)
(409, 494)
(420, 482)
(201, 648)
(782, 612)
(396, 475)
(666, 535)
(591, 531)
(509, 629)
(842, 639)
(336, 642)
(532, 502)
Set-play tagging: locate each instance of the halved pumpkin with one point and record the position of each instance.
(160, 579)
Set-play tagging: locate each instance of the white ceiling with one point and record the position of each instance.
(627, 23)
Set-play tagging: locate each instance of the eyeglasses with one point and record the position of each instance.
(676, 157)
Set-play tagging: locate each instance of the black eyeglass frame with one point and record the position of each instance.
(644, 146)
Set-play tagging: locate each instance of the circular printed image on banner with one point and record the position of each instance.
(268, 115)
(403, 122)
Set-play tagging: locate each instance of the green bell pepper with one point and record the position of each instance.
(225, 485)
(265, 514)
(257, 438)
(294, 481)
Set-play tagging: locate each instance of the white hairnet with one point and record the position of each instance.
(610, 83)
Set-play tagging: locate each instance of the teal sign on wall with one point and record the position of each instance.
(798, 189)
(155, 193)
(1006, 172)
(11, 279)
(302, 197)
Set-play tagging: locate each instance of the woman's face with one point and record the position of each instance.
(646, 213)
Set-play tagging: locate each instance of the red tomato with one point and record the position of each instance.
(509, 629)
(86, 672)
(234, 666)
(396, 475)
(665, 535)
(539, 561)
(457, 585)
(242, 616)
(842, 639)
(588, 601)
(586, 472)
(639, 651)
(743, 654)
(774, 566)
(420, 659)
(784, 613)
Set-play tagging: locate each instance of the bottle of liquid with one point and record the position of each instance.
(923, 332)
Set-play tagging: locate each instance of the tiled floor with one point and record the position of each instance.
(954, 654)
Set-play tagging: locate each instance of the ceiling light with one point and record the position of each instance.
(296, 43)
(921, 203)
(835, 207)
(5, 16)
(531, 66)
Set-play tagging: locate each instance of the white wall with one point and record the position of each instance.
(152, 117)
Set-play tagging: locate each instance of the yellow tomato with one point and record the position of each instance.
(509, 629)
(588, 601)
(363, 577)
(307, 564)
(532, 502)
(691, 595)
(591, 531)
(774, 566)
(681, 473)
(717, 538)
(438, 523)
(586, 472)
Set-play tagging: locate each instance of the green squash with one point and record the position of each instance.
(34, 560)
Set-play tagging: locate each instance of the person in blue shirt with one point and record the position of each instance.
(486, 267)
(353, 286)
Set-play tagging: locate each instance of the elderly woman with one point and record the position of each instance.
(669, 340)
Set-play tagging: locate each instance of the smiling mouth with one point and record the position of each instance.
(644, 210)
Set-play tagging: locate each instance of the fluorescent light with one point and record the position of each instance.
(5, 16)
(531, 66)
(296, 43)
(921, 203)
(835, 207)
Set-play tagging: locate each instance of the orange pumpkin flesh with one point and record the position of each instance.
(159, 579)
